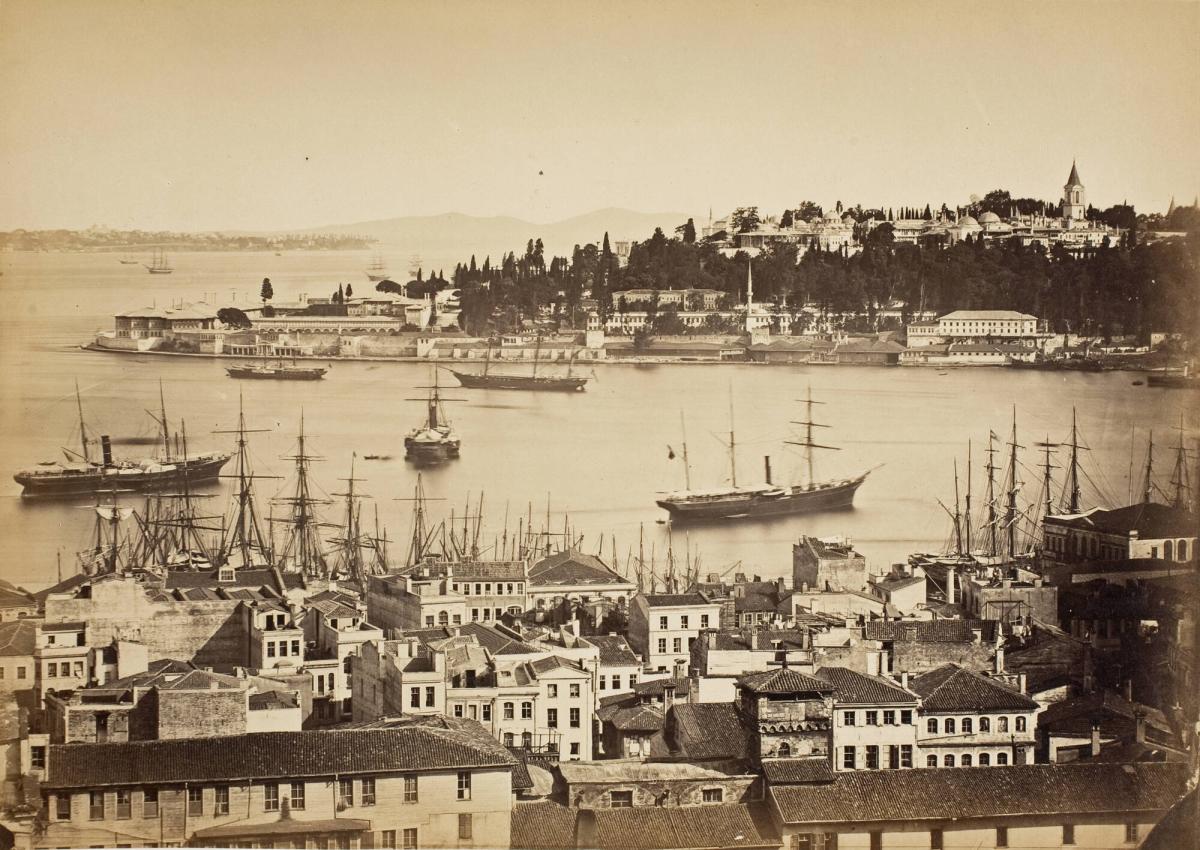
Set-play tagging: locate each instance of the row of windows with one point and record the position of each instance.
(950, 726)
(895, 756)
(937, 838)
(282, 650)
(510, 740)
(967, 760)
(552, 718)
(676, 645)
(443, 619)
(55, 669)
(485, 588)
(552, 690)
(684, 619)
(871, 717)
(616, 681)
(474, 710)
(20, 672)
(414, 697)
(624, 799)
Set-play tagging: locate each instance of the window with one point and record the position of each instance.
(1131, 833)
(430, 695)
(931, 761)
(283, 649)
(62, 807)
(967, 726)
(575, 749)
(195, 802)
(848, 718)
(575, 690)
(37, 758)
(221, 806)
(1002, 724)
(677, 645)
(552, 718)
(931, 726)
(936, 841)
(1068, 834)
(1001, 758)
(552, 691)
(603, 682)
(985, 724)
(428, 624)
(876, 841)
(1002, 836)
(388, 839)
(966, 760)
(889, 718)
(872, 718)
(704, 621)
(458, 709)
(985, 759)
(487, 711)
(683, 621)
(574, 718)
(948, 725)
(508, 711)
(948, 760)
(345, 792)
(906, 716)
(849, 758)
(270, 798)
(51, 670)
(410, 788)
(662, 644)
(408, 839)
(526, 711)
(906, 755)
(20, 672)
(784, 751)
(713, 795)
(872, 757)
(368, 792)
(270, 649)
(662, 622)
(1020, 724)
(464, 785)
(620, 799)
(296, 798)
(150, 802)
(464, 825)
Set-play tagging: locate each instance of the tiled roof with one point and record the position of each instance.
(670, 600)
(18, 637)
(755, 602)
(614, 650)
(692, 828)
(898, 582)
(656, 687)
(787, 638)
(797, 771)
(497, 642)
(272, 700)
(866, 796)
(930, 631)
(542, 826)
(952, 688)
(852, 687)
(1117, 717)
(251, 578)
(637, 718)
(16, 599)
(271, 754)
(510, 570)
(571, 567)
(541, 666)
(211, 836)
(1177, 828)
(708, 730)
(985, 315)
(783, 681)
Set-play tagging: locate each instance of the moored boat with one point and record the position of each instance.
(1181, 380)
(435, 440)
(278, 372)
(488, 380)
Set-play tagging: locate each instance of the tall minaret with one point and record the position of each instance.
(1074, 205)
(749, 296)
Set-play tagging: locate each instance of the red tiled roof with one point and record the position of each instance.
(614, 650)
(669, 600)
(573, 567)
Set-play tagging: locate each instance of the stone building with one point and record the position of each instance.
(789, 714)
(823, 565)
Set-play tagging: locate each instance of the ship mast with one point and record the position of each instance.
(302, 550)
(732, 452)
(967, 504)
(162, 407)
(990, 466)
(1179, 475)
(352, 541)
(1047, 476)
(687, 467)
(1073, 492)
(244, 533)
(83, 438)
(1014, 487)
(958, 531)
(808, 442)
(1148, 482)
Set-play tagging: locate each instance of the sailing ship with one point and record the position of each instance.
(83, 473)
(488, 380)
(436, 440)
(159, 264)
(279, 372)
(377, 271)
(127, 261)
(766, 499)
(1181, 380)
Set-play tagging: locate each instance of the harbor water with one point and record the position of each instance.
(601, 457)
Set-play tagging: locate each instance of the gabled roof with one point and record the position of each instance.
(986, 316)
(497, 642)
(572, 567)
(692, 828)
(930, 631)
(953, 688)
(854, 688)
(322, 752)
(705, 731)
(18, 637)
(797, 771)
(542, 666)
(507, 570)
(873, 796)
(671, 600)
(542, 826)
(614, 650)
(783, 681)
(16, 598)
(248, 578)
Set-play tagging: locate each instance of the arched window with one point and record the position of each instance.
(1002, 724)
(785, 751)
(932, 726)
(966, 760)
(443, 618)
(967, 726)
(948, 760)
(1001, 758)
(1183, 550)
(949, 725)
(985, 759)
(931, 761)
(1020, 724)
(1169, 550)
(985, 724)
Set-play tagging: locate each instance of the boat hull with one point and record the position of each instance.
(86, 482)
(1175, 382)
(423, 453)
(520, 382)
(833, 497)
(276, 374)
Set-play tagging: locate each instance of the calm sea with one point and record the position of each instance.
(601, 456)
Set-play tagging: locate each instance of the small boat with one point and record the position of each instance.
(278, 372)
(127, 261)
(159, 264)
(1139, 383)
(436, 440)
(377, 457)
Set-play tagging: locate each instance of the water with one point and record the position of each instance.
(602, 455)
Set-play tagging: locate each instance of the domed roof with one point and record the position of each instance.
(989, 218)
(967, 221)
(833, 215)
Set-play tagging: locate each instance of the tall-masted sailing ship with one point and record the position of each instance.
(766, 499)
(489, 380)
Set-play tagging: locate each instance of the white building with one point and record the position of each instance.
(663, 627)
(875, 721)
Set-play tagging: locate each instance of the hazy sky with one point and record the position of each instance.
(259, 115)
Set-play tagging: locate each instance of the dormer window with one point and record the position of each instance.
(226, 574)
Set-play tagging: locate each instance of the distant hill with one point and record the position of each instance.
(457, 236)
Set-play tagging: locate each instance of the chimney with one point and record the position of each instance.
(1095, 737)
(872, 663)
(904, 680)
(999, 659)
(1139, 720)
(106, 448)
(1022, 683)
(767, 465)
(754, 639)
(951, 591)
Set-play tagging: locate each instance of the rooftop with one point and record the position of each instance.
(614, 650)
(1150, 520)
(783, 681)
(987, 316)
(708, 730)
(673, 600)
(18, 637)
(854, 688)
(953, 688)
(797, 771)
(571, 568)
(693, 828)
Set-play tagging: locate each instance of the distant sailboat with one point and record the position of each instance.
(377, 271)
(159, 264)
(127, 261)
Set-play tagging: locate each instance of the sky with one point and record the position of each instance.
(270, 116)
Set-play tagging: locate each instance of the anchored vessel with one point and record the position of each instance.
(84, 475)
(1182, 380)
(488, 380)
(767, 499)
(377, 271)
(159, 264)
(436, 440)
(279, 372)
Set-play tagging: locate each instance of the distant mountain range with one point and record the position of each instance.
(458, 236)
